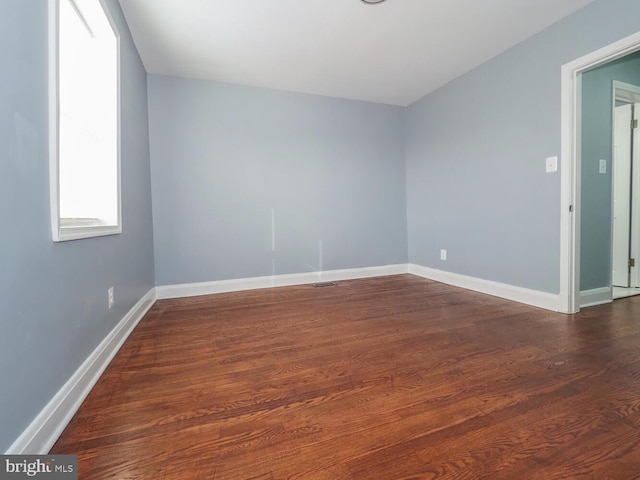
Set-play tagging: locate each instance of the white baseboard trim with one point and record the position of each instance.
(536, 298)
(235, 285)
(596, 296)
(44, 430)
(527, 296)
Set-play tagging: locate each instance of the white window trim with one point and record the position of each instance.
(59, 232)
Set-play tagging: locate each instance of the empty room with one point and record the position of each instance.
(323, 239)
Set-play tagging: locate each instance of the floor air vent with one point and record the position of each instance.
(324, 284)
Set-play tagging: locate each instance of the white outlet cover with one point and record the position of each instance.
(110, 297)
(443, 254)
(551, 164)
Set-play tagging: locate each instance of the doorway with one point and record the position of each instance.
(571, 133)
(625, 244)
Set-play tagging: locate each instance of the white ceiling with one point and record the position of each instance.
(395, 52)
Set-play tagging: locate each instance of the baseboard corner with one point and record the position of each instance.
(46, 427)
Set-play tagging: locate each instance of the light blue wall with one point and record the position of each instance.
(476, 150)
(224, 156)
(53, 297)
(597, 98)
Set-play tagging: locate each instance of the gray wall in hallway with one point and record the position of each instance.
(53, 297)
(476, 150)
(225, 157)
(597, 98)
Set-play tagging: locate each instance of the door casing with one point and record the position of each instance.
(570, 140)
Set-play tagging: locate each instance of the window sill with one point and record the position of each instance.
(79, 232)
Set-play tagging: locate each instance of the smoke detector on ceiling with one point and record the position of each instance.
(372, 2)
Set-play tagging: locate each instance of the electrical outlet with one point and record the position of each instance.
(111, 298)
(443, 254)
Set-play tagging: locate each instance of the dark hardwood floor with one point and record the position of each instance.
(385, 378)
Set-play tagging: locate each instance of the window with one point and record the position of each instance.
(84, 120)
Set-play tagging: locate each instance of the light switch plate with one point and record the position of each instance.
(551, 164)
(603, 166)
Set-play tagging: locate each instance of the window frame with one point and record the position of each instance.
(61, 232)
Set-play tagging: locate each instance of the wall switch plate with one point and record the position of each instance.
(111, 298)
(551, 164)
(443, 254)
(603, 166)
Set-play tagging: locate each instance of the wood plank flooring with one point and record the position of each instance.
(385, 378)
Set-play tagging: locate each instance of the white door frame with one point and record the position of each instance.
(629, 93)
(621, 162)
(635, 200)
(570, 140)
